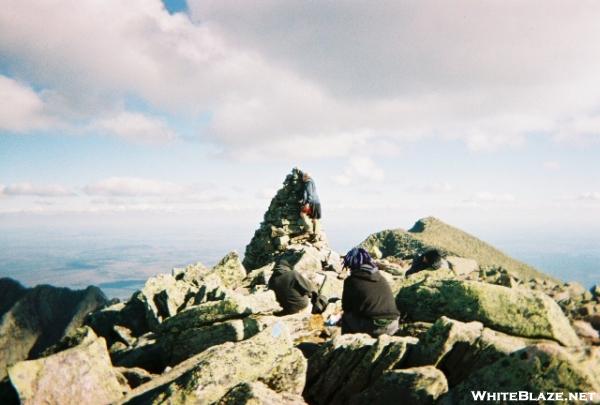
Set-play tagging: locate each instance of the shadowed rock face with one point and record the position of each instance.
(348, 364)
(40, 318)
(458, 349)
(82, 374)
(539, 368)
(418, 385)
(10, 292)
(259, 393)
(268, 357)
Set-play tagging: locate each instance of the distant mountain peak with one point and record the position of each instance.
(423, 223)
(433, 232)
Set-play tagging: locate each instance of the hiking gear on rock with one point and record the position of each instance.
(319, 303)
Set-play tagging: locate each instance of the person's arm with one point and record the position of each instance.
(410, 271)
(304, 286)
(311, 191)
(305, 195)
(346, 297)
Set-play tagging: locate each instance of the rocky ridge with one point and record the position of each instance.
(431, 232)
(33, 319)
(213, 335)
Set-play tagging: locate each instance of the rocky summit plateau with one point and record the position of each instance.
(214, 335)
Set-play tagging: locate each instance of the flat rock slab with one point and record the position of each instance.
(515, 311)
(536, 369)
(418, 385)
(178, 347)
(81, 375)
(459, 349)
(462, 266)
(233, 306)
(268, 357)
(40, 318)
(347, 364)
(257, 393)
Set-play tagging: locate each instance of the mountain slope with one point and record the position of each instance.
(431, 232)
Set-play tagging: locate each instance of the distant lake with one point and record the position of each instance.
(120, 261)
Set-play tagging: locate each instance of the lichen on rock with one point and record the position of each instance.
(515, 311)
(536, 369)
(268, 356)
(347, 365)
(82, 374)
(418, 385)
(234, 306)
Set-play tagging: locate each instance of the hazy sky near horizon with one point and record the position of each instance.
(475, 112)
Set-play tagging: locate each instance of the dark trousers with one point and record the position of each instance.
(315, 210)
(352, 323)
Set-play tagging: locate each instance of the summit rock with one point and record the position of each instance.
(282, 227)
(431, 232)
(37, 318)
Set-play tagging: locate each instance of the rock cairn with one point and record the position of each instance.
(214, 335)
(282, 226)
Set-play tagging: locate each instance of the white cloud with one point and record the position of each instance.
(342, 179)
(25, 110)
(390, 48)
(308, 79)
(418, 69)
(489, 197)
(551, 165)
(579, 129)
(122, 194)
(132, 186)
(22, 109)
(436, 187)
(136, 127)
(361, 169)
(589, 196)
(28, 189)
(266, 193)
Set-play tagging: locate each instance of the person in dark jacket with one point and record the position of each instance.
(367, 300)
(292, 290)
(310, 206)
(431, 259)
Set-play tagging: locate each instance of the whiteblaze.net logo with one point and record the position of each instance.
(535, 397)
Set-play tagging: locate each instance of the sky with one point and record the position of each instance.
(484, 114)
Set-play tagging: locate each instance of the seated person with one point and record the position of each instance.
(291, 288)
(367, 300)
(431, 259)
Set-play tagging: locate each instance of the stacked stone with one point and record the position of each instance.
(214, 335)
(281, 226)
